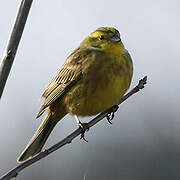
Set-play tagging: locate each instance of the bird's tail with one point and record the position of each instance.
(38, 140)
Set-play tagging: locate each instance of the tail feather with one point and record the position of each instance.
(38, 140)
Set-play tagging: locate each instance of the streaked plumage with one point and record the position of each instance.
(93, 78)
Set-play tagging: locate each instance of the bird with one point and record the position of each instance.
(92, 79)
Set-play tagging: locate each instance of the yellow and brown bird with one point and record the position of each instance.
(92, 79)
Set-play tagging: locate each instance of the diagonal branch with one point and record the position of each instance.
(14, 172)
(14, 39)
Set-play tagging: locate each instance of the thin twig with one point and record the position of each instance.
(13, 42)
(14, 172)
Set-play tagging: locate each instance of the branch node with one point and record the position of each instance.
(46, 151)
(69, 141)
(141, 83)
(15, 174)
(9, 53)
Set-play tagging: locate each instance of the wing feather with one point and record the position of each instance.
(65, 78)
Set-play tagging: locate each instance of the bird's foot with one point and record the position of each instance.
(111, 112)
(84, 127)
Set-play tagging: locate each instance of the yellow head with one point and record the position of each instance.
(105, 38)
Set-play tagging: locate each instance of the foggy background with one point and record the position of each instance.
(144, 141)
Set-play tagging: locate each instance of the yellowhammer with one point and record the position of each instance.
(93, 78)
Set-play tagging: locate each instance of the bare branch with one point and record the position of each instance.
(14, 172)
(13, 42)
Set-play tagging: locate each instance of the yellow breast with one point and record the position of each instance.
(104, 82)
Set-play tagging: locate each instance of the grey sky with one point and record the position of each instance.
(147, 123)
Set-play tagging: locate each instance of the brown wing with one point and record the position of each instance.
(67, 76)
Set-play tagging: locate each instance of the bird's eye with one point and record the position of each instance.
(101, 37)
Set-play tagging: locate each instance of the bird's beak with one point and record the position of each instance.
(116, 38)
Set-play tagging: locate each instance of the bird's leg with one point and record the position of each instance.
(84, 127)
(111, 113)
